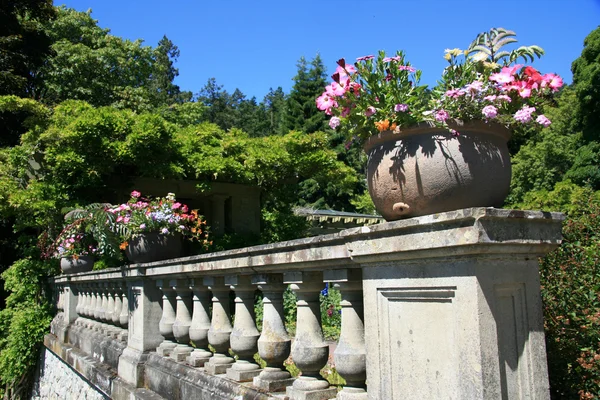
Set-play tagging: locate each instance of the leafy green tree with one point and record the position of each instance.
(24, 45)
(586, 81)
(301, 111)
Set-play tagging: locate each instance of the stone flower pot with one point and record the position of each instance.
(425, 170)
(153, 246)
(70, 265)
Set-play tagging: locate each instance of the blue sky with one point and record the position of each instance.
(255, 45)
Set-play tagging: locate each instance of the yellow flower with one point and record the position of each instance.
(481, 56)
(447, 56)
(455, 52)
(490, 65)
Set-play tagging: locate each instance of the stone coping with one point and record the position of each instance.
(489, 231)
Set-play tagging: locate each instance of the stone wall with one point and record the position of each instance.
(57, 380)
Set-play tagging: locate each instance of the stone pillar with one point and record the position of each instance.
(350, 355)
(168, 318)
(200, 325)
(309, 351)
(453, 307)
(69, 303)
(273, 344)
(244, 334)
(218, 214)
(141, 314)
(183, 320)
(220, 327)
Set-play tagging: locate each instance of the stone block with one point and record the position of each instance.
(276, 385)
(242, 376)
(216, 369)
(322, 394)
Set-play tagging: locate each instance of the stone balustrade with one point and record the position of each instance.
(440, 306)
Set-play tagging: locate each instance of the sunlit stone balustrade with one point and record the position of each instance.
(440, 306)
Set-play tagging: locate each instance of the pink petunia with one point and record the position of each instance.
(135, 194)
(543, 120)
(175, 206)
(489, 111)
(401, 107)
(370, 111)
(441, 115)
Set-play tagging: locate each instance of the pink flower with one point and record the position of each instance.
(370, 111)
(135, 194)
(524, 114)
(164, 231)
(406, 68)
(454, 93)
(388, 59)
(348, 69)
(401, 107)
(345, 111)
(490, 111)
(119, 218)
(554, 81)
(475, 86)
(126, 220)
(502, 77)
(365, 58)
(504, 98)
(334, 122)
(143, 226)
(441, 115)
(175, 206)
(325, 102)
(543, 120)
(525, 92)
(490, 98)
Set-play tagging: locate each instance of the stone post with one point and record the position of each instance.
(350, 355)
(309, 351)
(183, 320)
(141, 314)
(168, 318)
(244, 334)
(220, 327)
(453, 305)
(273, 344)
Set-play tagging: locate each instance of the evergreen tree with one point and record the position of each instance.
(273, 106)
(162, 88)
(586, 80)
(309, 83)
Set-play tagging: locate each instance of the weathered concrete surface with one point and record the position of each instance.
(57, 380)
(176, 381)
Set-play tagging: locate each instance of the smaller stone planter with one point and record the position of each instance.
(70, 265)
(153, 246)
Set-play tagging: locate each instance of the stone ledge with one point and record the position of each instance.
(469, 231)
(104, 378)
(177, 381)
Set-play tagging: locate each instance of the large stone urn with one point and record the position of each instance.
(425, 169)
(153, 246)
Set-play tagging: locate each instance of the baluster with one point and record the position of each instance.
(244, 334)
(309, 351)
(274, 343)
(103, 302)
(85, 308)
(124, 316)
(96, 302)
(167, 320)
(183, 320)
(220, 327)
(350, 354)
(79, 291)
(118, 308)
(110, 303)
(59, 298)
(200, 325)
